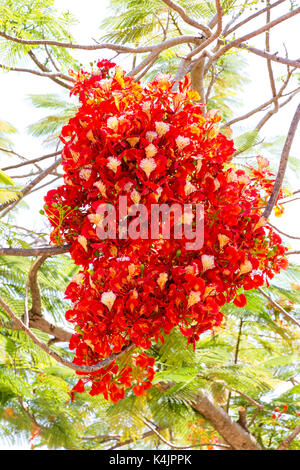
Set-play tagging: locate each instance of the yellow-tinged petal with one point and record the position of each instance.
(83, 242)
(193, 95)
(162, 279)
(90, 136)
(279, 210)
(246, 267)
(223, 240)
(108, 299)
(193, 298)
(261, 223)
(119, 76)
(208, 262)
(133, 141)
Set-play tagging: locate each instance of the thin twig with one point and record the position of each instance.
(266, 55)
(252, 34)
(286, 314)
(186, 18)
(252, 17)
(267, 103)
(85, 369)
(31, 185)
(34, 160)
(36, 72)
(284, 233)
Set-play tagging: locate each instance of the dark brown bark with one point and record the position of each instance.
(232, 433)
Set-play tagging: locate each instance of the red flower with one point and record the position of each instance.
(153, 145)
(240, 300)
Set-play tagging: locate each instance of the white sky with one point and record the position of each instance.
(14, 87)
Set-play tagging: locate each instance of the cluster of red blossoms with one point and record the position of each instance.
(153, 145)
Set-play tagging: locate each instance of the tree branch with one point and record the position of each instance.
(40, 74)
(211, 38)
(269, 63)
(43, 68)
(36, 302)
(115, 47)
(252, 17)
(267, 55)
(284, 233)
(286, 443)
(262, 106)
(84, 369)
(232, 432)
(270, 113)
(283, 163)
(286, 314)
(236, 355)
(187, 19)
(42, 250)
(35, 317)
(34, 160)
(238, 41)
(31, 185)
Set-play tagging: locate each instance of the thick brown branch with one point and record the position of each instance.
(40, 323)
(43, 250)
(36, 302)
(115, 47)
(242, 421)
(283, 163)
(232, 432)
(197, 75)
(286, 443)
(213, 36)
(35, 318)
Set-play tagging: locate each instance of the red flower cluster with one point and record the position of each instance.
(153, 145)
